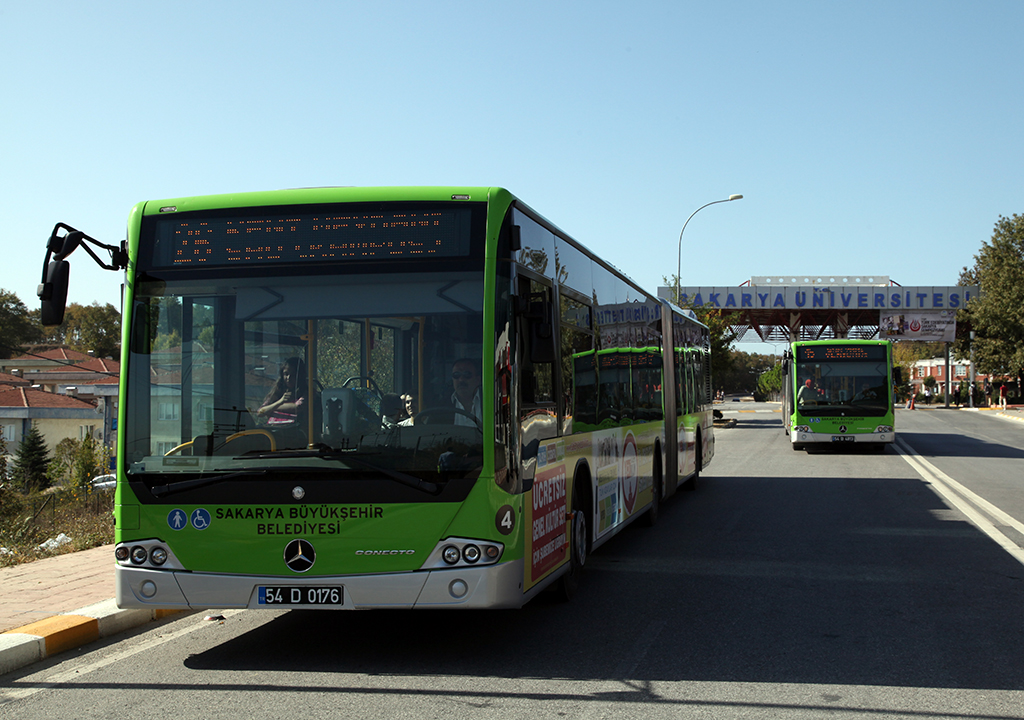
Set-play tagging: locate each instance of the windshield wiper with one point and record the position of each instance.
(396, 475)
(327, 453)
(183, 485)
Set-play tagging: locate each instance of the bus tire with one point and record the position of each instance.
(650, 517)
(579, 543)
(797, 446)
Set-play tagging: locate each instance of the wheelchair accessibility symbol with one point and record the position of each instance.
(200, 519)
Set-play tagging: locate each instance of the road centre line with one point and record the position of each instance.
(948, 488)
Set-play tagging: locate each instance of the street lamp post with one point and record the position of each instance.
(679, 257)
(972, 370)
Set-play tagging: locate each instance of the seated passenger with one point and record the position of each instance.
(410, 410)
(391, 411)
(283, 404)
(808, 395)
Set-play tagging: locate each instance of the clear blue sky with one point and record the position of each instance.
(867, 138)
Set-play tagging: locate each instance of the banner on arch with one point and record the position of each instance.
(923, 325)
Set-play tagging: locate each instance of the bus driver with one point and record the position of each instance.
(466, 397)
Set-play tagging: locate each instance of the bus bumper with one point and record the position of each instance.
(806, 438)
(494, 586)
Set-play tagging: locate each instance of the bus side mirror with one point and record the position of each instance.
(785, 367)
(897, 376)
(53, 292)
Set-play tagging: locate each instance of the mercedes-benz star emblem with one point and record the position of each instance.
(299, 555)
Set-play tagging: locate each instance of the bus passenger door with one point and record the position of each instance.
(538, 419)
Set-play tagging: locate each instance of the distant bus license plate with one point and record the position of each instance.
(842, 438)
(299, 595)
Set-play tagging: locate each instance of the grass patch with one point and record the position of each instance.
(28, 521)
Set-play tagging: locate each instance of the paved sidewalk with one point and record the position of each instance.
(38, 590)
(59, 603)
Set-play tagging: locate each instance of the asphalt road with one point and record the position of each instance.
(789, 585)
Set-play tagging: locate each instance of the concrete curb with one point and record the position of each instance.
(39, 640)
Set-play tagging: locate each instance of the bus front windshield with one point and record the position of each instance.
(362, 372)
(829, 388)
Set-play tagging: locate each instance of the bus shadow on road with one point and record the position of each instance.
(823, 580)
(952, 445)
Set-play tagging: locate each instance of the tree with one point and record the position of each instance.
(3, 461)
(16, 325)
(769, 384)
(906, 353)
(31, 463)
(86, 328)
(744, 371)
(997, 315)
(76, 462)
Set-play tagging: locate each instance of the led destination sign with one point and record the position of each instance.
(827, 353)
(288, 238)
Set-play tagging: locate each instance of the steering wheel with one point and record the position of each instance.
(444, 410)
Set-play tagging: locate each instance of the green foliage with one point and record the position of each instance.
(17, 326)
(744, 371)
(26, 521)
(769, 383)
(76, 462)
(997, 316)
(4, 476)
(30, 465)
(86, 328)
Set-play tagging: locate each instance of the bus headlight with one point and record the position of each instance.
(883, 429)
(463, 552)
(801, 428)
(151, 553)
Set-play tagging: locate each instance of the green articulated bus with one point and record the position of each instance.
(839, 392)
(350, 398)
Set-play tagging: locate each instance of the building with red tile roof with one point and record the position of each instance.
(56, 416)
(7, 380)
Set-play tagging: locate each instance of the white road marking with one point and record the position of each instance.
(81, 670)
(967, 502)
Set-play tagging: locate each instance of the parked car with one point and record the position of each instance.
(103, 482)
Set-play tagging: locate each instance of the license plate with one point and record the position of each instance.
(843, 438)
(299, 595)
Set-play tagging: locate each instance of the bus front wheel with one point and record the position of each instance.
(650, 518)
(578, 540)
